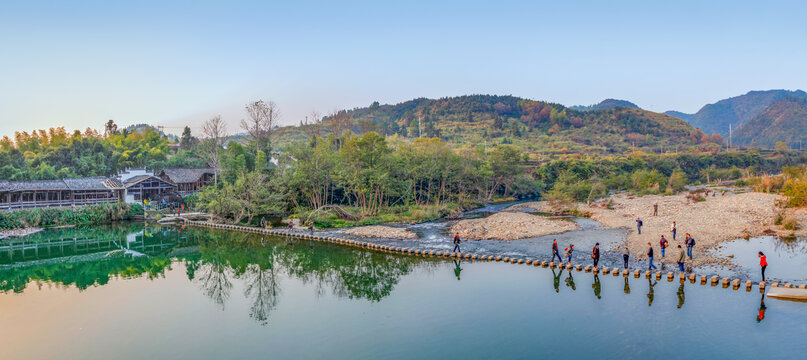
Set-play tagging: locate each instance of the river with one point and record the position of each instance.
(132, 291)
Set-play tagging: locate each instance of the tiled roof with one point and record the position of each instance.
(91, 183)
(186, 175)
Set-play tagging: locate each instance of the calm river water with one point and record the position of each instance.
(129, 292)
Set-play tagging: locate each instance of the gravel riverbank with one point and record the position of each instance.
(510, 226)
(709, 222)
(380, 231)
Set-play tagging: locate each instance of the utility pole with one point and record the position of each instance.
(730, 133)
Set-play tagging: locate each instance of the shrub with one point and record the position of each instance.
(790, 223)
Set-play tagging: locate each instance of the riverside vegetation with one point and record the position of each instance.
(354, 168)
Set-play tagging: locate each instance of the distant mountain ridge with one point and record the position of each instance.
(715, 118)
(605, 105)
(476, 120)
(783, 120)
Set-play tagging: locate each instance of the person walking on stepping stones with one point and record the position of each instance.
(569, 250)
(626, 256)
(457, 242)
(680, 258)
(650, 257)
(595, 254)
(763, 264)
(555, 251)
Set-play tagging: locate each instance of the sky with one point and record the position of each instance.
(174, 63)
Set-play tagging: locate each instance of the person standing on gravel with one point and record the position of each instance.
(655, 209)
(763, 264)
(674, 230)
(457, 242)
(663, 243)
(595, 254)
(690, 243)
(555, 252)
(680, 258)
(650, 257)
(639, 225)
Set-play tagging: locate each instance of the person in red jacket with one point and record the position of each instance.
(763, 263)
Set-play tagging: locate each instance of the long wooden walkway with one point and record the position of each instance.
(713, 280)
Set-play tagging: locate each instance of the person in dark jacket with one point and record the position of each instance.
(650, 257)
(595, 254)
(626, 256)
(457, 242)
(555, 252)
(639, 224)
(690, 243)
(263, 222)
(680, 258)
(663, 243)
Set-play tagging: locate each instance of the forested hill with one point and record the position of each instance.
(606, 104)
(715, 118)
(785, 120)
(536, 126)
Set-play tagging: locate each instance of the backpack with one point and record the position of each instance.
(691, 241)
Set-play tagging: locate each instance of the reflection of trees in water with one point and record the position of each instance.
(262, 287)
(214, 278)
(224, 257)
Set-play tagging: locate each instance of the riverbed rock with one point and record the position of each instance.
(510, 226)
(380, 231)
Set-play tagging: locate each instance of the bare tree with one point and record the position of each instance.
(215, 131)
(262, 119)
(339, 121)
(110, 128)
(312, 123)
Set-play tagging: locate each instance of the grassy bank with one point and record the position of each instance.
(84, 215)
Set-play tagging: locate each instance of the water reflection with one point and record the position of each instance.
(457, 268)
(650, 294)
(214, 260)
(680, 294)
(596, 286)
(570, 281)
(762, 308)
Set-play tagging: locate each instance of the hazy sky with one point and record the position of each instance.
(80, 63)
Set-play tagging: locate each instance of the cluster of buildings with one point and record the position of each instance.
(133, 185)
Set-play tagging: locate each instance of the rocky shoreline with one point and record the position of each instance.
(510, 226)
(381, 231)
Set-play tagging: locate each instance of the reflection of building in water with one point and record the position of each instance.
(74, 243)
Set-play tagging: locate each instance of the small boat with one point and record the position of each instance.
(788, 293)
